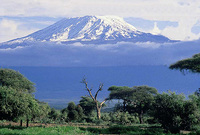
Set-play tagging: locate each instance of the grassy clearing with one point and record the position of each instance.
(70, 130)
(59, 130)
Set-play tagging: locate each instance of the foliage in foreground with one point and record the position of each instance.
(141, 104)
(59, 130)
(63, 130)
(175, 113)
(17, 100)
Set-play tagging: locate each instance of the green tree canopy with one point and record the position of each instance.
(190, 64)
(137, 99)
(120, 92)
(54, 114)
(175, 113)
(168, 108)
(17, 81)
(71, 106)
(16, 99)
(87, 104)
(42, 112)
(74, 112)
(15, 105)
(134, 94)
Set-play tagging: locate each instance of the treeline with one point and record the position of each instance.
(139, 105)
(136, 105)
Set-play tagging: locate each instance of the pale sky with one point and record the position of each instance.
(176, 19)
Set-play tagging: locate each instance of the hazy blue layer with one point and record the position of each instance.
(60, 85)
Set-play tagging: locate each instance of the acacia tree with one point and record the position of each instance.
(121, 93)
(193, 105)
(142, 100)
(137, 99)
(94, 98)
(190, 64)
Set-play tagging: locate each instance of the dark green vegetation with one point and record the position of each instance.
(140, 110)
(133, 130)
(16, 99)
(13, 79)
(138, 99)
(190, 64)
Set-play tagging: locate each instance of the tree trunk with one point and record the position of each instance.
(141, 115)
(21, 123)
(27, 121)
(141, 119)
(99, 113)
(124, 106)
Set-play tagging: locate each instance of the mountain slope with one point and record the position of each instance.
(90, 29)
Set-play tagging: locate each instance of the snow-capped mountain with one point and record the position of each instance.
(90, 29)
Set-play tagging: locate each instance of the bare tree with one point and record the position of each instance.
(94, 98)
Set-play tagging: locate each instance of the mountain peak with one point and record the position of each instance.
(88, 28)
(109, 18)
(91, 29)
(106, 18)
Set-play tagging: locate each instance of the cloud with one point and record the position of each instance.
(171, 10)
(148, 25)
(196, 28)
(11, 29)
(7, 27)
(78, 55)
(184, 12)
(156, 30)
(183, 31)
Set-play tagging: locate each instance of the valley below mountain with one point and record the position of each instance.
(60, 85)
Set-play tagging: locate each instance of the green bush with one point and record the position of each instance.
(123, 118)
(175, 113)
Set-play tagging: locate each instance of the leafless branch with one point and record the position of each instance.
(86, 86)
(100, 89)
(103, 102)
(98, 106)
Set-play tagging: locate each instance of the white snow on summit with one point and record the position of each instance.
(86, 28)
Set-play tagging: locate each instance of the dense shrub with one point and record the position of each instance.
(123, 118)
(175, 113)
